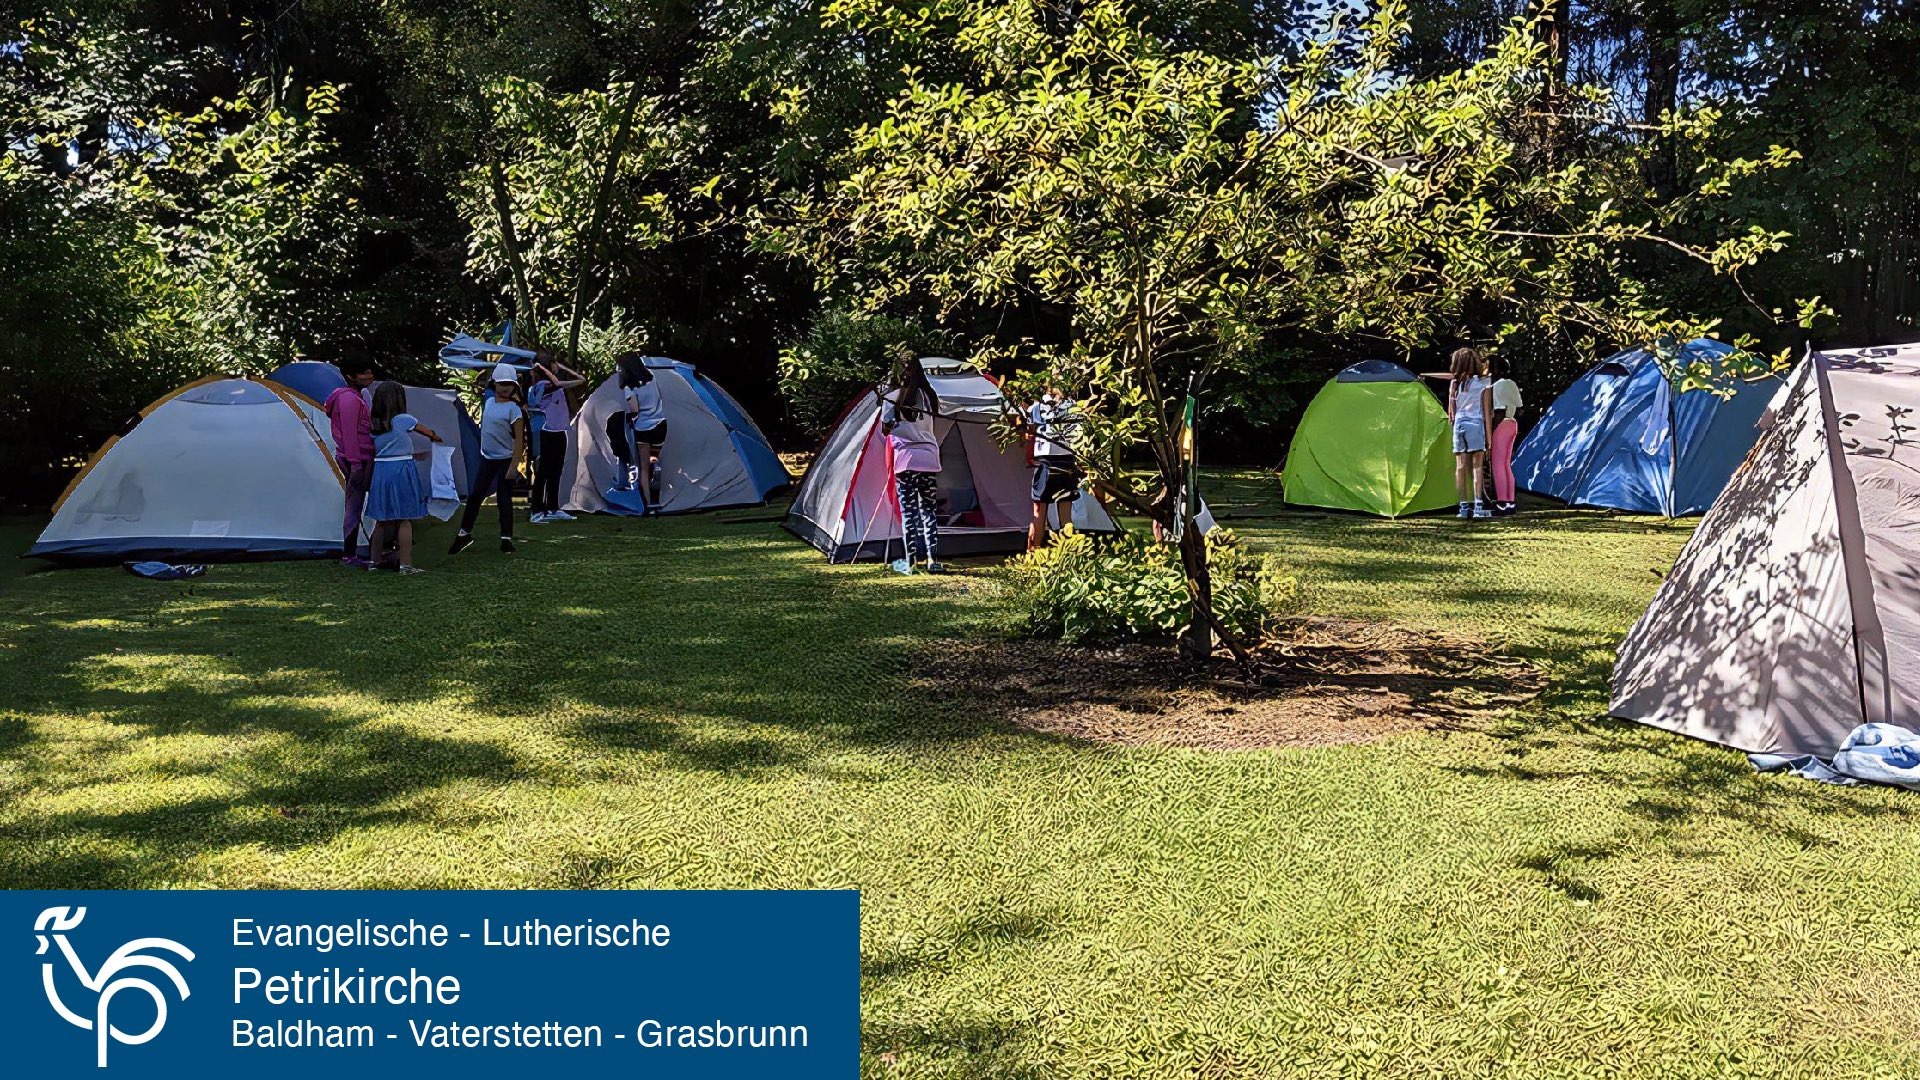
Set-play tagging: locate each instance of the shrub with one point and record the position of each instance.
(1083, 589)
(843, 354)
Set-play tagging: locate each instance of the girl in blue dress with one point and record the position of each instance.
(396, 494)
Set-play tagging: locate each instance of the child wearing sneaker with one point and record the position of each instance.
(1505, 431)
(395, 494)
(502, 426)
(907, 419)
(1469, 403)
(552, 381)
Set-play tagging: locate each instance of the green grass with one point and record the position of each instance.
(694, 703)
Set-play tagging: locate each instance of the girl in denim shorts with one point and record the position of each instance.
(1469, 403)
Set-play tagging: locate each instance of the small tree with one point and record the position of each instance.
(1179, 207)
(570, 187)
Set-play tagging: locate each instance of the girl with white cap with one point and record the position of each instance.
(502, 422)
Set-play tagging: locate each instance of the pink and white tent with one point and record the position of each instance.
(846, 505)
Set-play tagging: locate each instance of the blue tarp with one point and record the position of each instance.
(1621, 437)
(1876, 753)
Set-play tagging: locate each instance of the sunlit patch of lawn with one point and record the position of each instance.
(688, 702)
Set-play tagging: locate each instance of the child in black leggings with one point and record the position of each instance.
(554, 380)
(502, 425)
(907, 417)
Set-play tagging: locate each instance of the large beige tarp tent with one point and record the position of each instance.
(1793, 615)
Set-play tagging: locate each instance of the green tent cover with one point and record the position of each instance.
(1373, 440)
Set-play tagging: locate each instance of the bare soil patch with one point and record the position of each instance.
(1320, 682)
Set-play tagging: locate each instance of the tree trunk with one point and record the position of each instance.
(1196, 641)
(516, 257)
(1555, 28)
(1663, 96)
(597, 223)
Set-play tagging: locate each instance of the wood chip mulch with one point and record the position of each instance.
(1319, 682)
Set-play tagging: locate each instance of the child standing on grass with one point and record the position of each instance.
(347, 410)
(554, 379)
(1054, 421)
(907, 418)
(501, 424)
(395, 494)
(646, 425)
(1469, 403)
(1506, 431)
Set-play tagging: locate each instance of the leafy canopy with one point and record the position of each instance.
(1181, 206)
(565, 163)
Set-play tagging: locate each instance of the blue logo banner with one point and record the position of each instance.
(363, 985)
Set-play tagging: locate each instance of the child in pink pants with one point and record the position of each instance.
(1506, 431)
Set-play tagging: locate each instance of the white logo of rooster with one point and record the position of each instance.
(104, 982)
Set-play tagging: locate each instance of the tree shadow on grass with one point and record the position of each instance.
(341, 701)
(990, 1044)
(286, 775)
(1673, 787)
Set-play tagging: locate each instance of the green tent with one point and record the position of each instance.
(1373, 439)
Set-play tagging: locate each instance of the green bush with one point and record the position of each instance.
(1083, 589)
(843, 354)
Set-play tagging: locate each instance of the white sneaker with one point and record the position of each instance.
(539, 517)
(559, 515)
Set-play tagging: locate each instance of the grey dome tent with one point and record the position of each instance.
(220, 470)
(714, 456)
(845, 505)
(1793, 614)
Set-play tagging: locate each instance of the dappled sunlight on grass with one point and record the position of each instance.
(687, 703)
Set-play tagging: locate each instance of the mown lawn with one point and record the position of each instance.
(697, 703)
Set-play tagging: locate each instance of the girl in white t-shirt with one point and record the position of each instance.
(1469, 403)
(646, 422)
(1506, 431)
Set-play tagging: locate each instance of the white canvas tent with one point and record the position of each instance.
(846, 505)
(1793, 614)
(219, 470)
(442, 411)
(714, 456)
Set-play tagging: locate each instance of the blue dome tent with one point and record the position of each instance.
(1622, 438)
(314, 378)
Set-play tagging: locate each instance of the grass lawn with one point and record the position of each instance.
(695, 703)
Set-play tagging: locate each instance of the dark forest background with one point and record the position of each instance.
(225, 185)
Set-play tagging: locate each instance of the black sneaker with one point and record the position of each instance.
(506, 544)
(461, 543)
